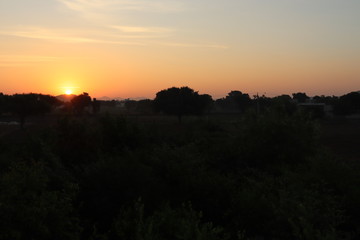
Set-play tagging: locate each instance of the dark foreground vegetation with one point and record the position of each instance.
(256, 175)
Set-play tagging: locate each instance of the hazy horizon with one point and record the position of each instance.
(132, 49)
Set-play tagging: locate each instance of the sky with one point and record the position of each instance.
(135, 48)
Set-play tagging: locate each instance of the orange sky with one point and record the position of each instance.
(134, 49)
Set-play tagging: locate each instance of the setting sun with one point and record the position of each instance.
(68, 92)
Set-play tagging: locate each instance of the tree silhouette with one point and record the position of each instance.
(24, 105)
(348, 104)
(235, 101)
(181, 101)
(205, 103)
(80, 102)
(284, 103)
(300, 97)
(3, 103)
(328, 100)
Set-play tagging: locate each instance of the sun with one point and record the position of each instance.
(68, 92)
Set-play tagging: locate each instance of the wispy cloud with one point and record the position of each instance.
(137, 36)
(190, 45)
(133, 29)
(18, 60)
(45, 34)
(116, 5)
(67, 36)
(105, 15)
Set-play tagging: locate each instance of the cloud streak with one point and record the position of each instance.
(98, 7)
(132, 29)
(19, 60)
(190, 45)
(66, 36)
(45, 34)
(136, 36)
(104, 13)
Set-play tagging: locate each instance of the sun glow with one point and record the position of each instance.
(68, 92)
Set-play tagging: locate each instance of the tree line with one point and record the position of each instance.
(262, 175)
(179, 102)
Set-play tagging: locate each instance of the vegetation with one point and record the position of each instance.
(25, 105)
(235, 101)
(181, 101)
(261, 174)
(80, 102)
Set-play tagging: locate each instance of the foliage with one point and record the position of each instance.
(166, 223)
(348, 104)
(235, 101)
(258, 175)
(181, 101)
(24, 105)
(328, 100)
(80, 102)
(30, 210)
(3, 103)
(285, 104)
(300, 97)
